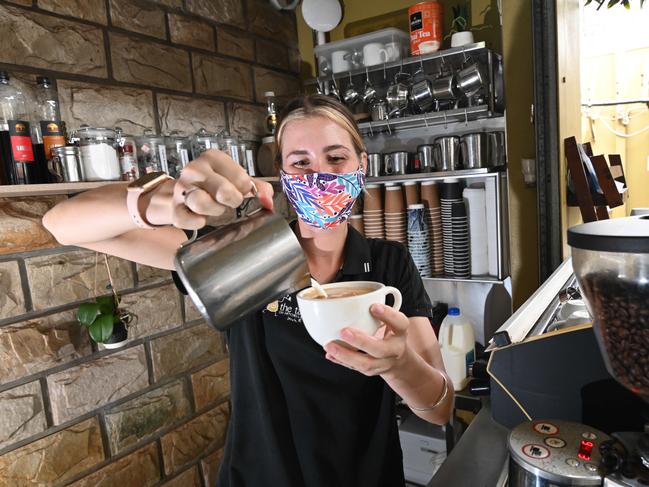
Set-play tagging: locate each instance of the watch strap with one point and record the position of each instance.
(133, 195)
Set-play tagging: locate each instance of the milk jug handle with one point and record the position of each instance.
(240, 212)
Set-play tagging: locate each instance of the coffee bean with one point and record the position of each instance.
(621, 318)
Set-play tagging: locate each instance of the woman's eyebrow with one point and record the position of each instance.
(298, 152)
(334, 147)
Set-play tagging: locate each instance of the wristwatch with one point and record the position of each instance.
(137, 188)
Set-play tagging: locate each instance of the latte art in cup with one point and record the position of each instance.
(340, 292)
(348, 305)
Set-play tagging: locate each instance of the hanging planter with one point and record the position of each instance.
(106, 322)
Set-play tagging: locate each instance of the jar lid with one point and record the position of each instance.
(630, 234)
(155, 139)
(65, 149)
(96, 132)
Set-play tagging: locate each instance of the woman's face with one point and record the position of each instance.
(316, 144)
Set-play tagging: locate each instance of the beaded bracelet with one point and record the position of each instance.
(439, 401)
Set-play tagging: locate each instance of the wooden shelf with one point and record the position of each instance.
(50, 189)
(21, 190)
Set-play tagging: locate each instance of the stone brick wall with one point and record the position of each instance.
(154, 412)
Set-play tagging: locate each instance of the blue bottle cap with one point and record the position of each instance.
(454, 311)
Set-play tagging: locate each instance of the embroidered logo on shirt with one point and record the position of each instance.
(285, 308)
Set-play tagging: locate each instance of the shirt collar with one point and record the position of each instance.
(356, 254)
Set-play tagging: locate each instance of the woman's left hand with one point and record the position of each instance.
(385, 351)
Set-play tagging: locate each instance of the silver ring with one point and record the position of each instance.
(189, 191)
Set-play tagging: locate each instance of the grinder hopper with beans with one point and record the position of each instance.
(611, 262)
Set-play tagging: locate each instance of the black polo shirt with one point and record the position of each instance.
(300, 420)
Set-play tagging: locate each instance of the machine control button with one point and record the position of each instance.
(589, 436)
(555, 442)
(573, 462)
(536, 451)
(546, 428)
(590, 467)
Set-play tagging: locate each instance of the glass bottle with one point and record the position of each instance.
(47, 130)
(16, 151)
(271, 112)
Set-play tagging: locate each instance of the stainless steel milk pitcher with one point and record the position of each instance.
(240, 267)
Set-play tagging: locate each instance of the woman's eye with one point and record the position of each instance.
(300, 163)
(337, 158)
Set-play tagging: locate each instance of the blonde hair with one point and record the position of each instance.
(318, 106)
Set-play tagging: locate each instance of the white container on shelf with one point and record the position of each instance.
(457, 343)
(389, 38)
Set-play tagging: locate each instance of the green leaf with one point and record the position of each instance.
(588, 2)
(87, 313)
(612, 3)
(626, 4)
(109, 300)
(102, 329)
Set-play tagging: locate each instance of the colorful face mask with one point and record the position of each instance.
(323, 200)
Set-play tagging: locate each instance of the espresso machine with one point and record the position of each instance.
(576, 399)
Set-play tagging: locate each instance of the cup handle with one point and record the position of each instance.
(396, 294)
(52, 165)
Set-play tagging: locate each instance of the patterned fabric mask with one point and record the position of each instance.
(321, 199)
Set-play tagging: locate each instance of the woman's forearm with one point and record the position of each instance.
(421, 386)
(101, 214)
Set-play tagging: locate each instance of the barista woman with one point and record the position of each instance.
(301, 415)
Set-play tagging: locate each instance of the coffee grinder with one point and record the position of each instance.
(611, 263)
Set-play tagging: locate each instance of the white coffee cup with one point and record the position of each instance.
(324, 318)
(374, 53)
(394, 51)
(339, 63)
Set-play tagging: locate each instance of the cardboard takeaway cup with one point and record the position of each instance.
(411, 190)
(430, 194)
(394, 199)
(372, 199)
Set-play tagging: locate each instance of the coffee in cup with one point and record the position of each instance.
(347, 305)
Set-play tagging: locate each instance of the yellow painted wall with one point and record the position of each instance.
(517, 53)
(619, 75)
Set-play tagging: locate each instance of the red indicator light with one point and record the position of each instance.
(585, 449)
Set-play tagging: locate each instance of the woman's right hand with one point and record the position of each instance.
(207, 187)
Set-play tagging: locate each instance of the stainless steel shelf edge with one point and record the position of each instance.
(403, 62)
(428, 176)
(466, 115)
(481, 280)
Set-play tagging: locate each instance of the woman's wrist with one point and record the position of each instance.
(408, 365)
(158, 204)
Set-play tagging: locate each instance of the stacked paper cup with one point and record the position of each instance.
(418, 243)
(430, 199)
(451, 192)
(477, 210)
(395, 216)
(461, 243)
(373, 212)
